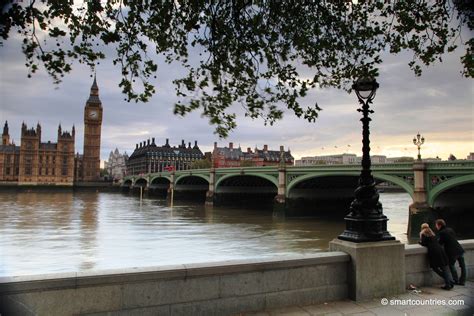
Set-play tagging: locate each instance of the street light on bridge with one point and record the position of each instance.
(417, 141)
(366, 221)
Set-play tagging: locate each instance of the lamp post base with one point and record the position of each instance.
(376, 269)
(366, 229)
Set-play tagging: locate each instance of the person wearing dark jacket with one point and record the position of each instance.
(454, 251)
(436, 256)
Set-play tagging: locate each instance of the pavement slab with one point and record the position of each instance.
(423, 301)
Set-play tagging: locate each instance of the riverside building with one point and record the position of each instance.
(148, 157)
(116, 166)
(34, 162)
(227, 157)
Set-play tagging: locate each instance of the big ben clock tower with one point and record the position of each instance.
(92, 131)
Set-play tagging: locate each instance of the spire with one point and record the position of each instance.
(94, 95)
(5, 128)
(95, 87)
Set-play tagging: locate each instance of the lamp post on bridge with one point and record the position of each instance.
(417, 141)
(366, 221)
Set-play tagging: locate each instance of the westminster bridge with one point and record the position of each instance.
(435, 187)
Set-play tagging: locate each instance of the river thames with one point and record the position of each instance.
(45, 232)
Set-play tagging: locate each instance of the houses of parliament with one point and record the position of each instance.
(45, 163)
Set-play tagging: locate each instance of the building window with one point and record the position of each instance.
(28, 166)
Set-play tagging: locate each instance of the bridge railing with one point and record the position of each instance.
(379, 166)
(450, 164)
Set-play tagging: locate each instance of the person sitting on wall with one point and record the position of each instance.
(436, 255)
(454, 251)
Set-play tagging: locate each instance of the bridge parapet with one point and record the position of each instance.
(450, 165)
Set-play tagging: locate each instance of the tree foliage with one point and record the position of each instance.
(263, 55)
(201, 164)
(247, 163)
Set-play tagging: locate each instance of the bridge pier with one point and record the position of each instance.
(210, 192)
(419, 211)
(279, 202)
(170, 192)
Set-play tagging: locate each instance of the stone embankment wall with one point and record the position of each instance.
(222, 288)
(417, 268)
(197, 289)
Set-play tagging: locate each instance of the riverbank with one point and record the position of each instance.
(77, 186)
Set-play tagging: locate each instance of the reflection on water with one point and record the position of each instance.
(57, 232)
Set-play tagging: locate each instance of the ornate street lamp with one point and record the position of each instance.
(366, 221)
(417, 141)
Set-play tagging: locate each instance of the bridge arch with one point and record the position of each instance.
(305, 177)
(160, 177)
(127, 183)
(142, 182)
(182, 177)
(380, 176)
(258, 175)
(395, 180)
(448, 184)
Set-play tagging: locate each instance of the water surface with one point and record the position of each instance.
(44, 232)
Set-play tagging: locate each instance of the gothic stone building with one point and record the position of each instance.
(116, 166)
(45, 163)
(148, 157)
(35, 162)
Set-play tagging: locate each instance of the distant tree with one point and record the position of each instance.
(201, 164)
(247, 163)
(451, 157)
(104, 172)
(265, 55)
(405, 159)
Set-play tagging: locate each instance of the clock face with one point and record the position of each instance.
(93, 115)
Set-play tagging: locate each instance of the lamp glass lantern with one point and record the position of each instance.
(365, 88)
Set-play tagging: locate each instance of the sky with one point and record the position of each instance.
(439, 105)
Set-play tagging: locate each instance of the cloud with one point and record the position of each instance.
(439, 105)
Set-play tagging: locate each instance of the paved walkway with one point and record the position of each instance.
(432, 297)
